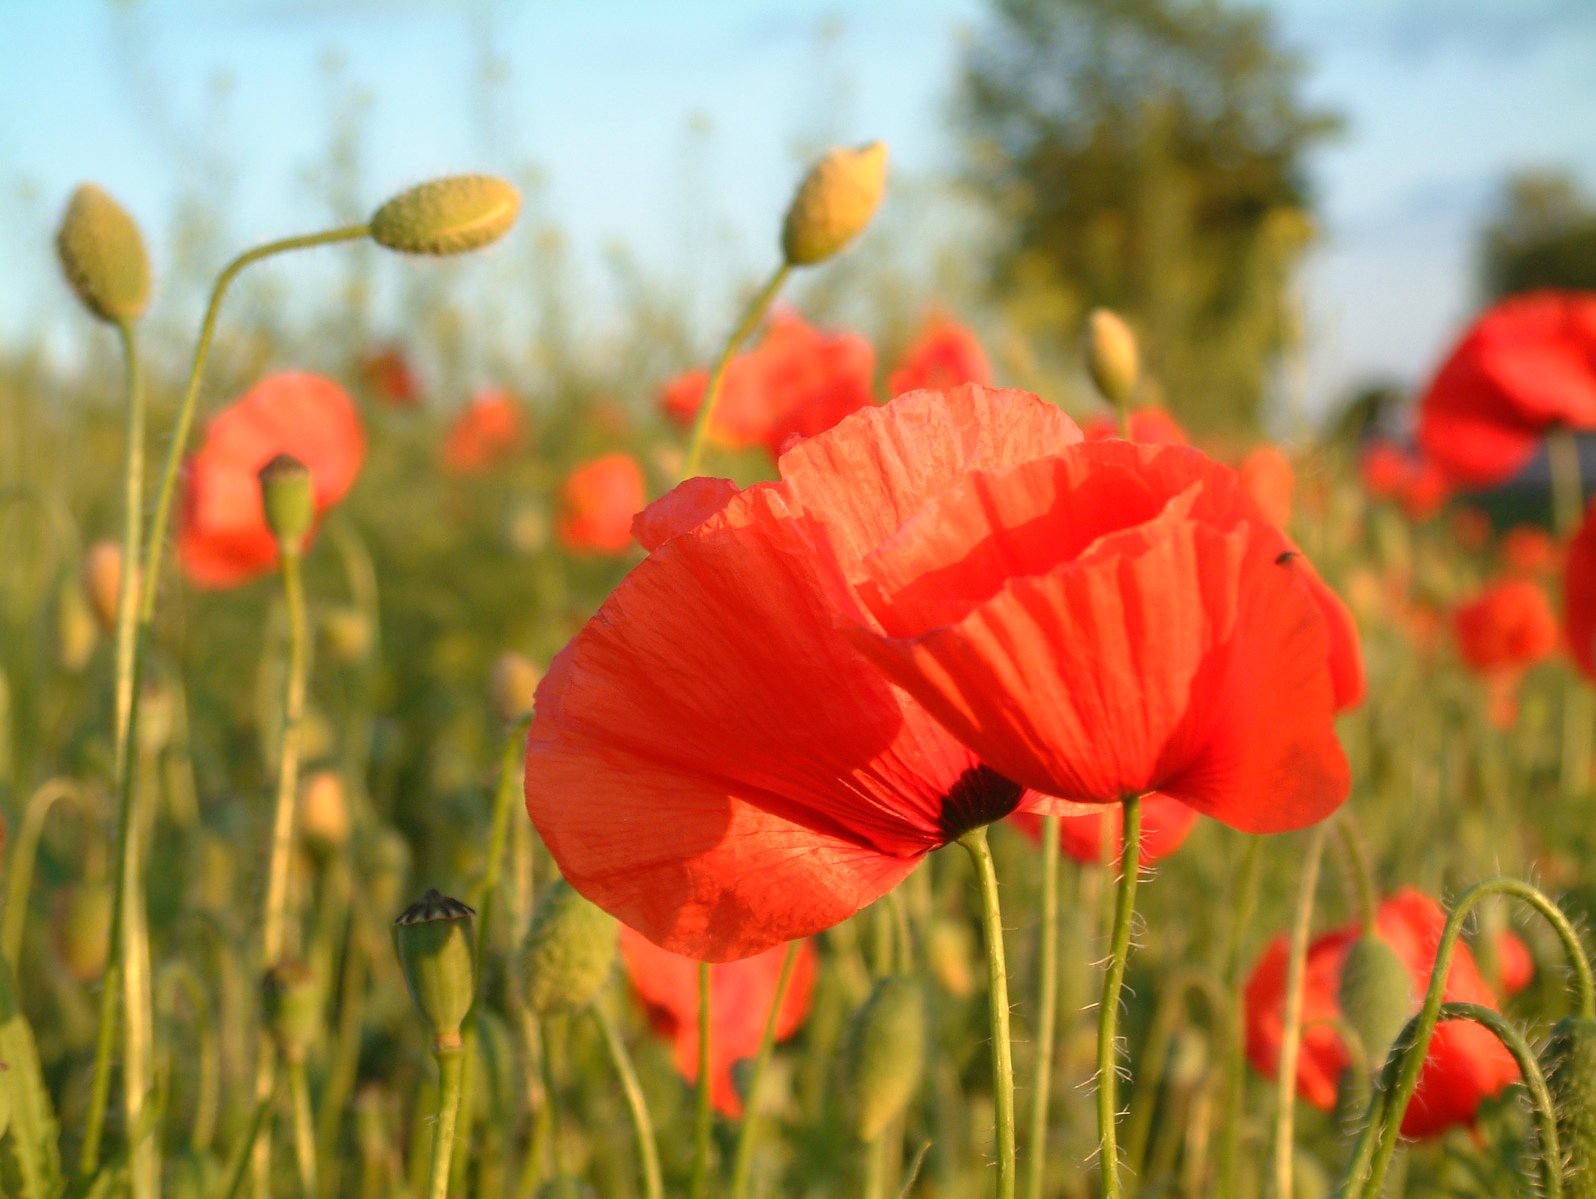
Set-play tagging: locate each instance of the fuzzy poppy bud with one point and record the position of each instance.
(568, 953)
(348, 633)
(323, 812)
(834, 203)
(885, 1055)
(75, 628)
(951, 952)
(1375, 996)
(447, 216)
(291, 1001)
(513, 684)
(83, 928)
(289, 500)
(437, 953)
(1569, 1063)
(103, 257)
(102, 581)
(1111, 356)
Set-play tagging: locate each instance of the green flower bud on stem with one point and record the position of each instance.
(885, 1055)
(1569, 1062)
(291, 1000)
(103, 257)
(1111, 356)
(512, 686)
(437, 952)
(568, 953)
(1375, 996)
(447, 216)
(290, 502)
(834, 203)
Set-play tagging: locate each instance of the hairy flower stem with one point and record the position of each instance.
(997, 1000)
(636, 1102)
(1235, 966)
(1046, 1007)
(1108, 1008)
(1291, 1032)
(304, 1128)
(755, 312)
(450, 1057)
(744, 1158)
(704, 1121)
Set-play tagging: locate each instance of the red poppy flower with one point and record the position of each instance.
(486, 433)
(1417, 484)
(1471, 528)
(944, 355)
(1148, 426)
(222, 537)
(1117, 619)
(1465, 1064)
(1166, 823)
(1515, 965)
(797, 382)
(1579, 595)
(599, 499)
(1531, 551)
(1270, 479)
(1500, 634)
(1524, 367)
(712, 761)
(740, 995)
(388, 373)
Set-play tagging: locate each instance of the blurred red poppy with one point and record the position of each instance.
(1417, 484)
(1166, 823)
(1579, 595)
(712, 761)
(1531, 551)
(798, 381)
(1148, 426)
(486, 433)
(1524, 367)
(1267, 474)
(944, 355)
(388, 373)
(740, 997)
(1501, 633)
(1465, 1064)
(598, 501)
(222, 537)
(1116, 619)
(1515, 965)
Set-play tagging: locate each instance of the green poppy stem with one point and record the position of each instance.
(636, 1102)
(1291, 1033)
(1046, 1007)
(450, 1058)
(1108, 1008)
(744, 1157)
(997, 977)
(704, 1120)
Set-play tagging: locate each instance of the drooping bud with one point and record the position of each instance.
(568, 952)
(885, 1055)
(834, 203)
(323, 812)
(83, 928)
(447, 216)
(291, 1002)
(513, 684)
(102, 580)
(1111, 356)
(347, 632)
(1375, 996)
(437, 952)
(103, 257)
(951, 952)
(1569, 1063)
(75, 630)
(290, 503)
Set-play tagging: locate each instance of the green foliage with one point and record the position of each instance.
(1541, 234)
(30, 1162)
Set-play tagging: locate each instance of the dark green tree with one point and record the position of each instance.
(1542, 233)
(1148, 155)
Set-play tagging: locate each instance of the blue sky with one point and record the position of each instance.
(1442, 97)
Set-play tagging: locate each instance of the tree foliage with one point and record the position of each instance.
(1542, 233)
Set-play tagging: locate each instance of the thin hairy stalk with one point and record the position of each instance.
(1357, 861)
(1166, 1018)
(744, 1157)
(450, 1057)
(997, 978)
(1235, 966)
(304, 1127)
(637, 1104)
(704, 1116)
(1046, 1008)
(1291, 1031)
(246, 1151)
(24, 853)
(1108, 1007)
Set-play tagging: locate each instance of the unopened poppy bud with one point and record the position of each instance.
(437, 952)
(75, 628)
(323, 812)
(834, 203)
(950, 952)
(1111, 356)
(103, 257)
(348, 633)
(290, 503)
(447, 216)
(291, 1002)
(1375, 995)
(1569, 1063)
(83, 928)
(102, 581)
(513, 684)
(568, 952)
(886, 1055)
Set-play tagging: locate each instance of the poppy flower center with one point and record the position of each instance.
(977, 797)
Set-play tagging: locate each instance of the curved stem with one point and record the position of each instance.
(752, 315)
(744, 1158)
(1291, 1032)
(450, 1057)
(1357, 860)
(1108, 1008)
(997, 978)
(24, 853)
(642, 1122)
(1046, 1007)
(703, 1123)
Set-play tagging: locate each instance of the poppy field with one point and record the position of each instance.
(844, 761)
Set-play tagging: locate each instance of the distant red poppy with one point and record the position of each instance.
(1117, 619)
(1579, 595)
(388, 373)
(1501, 633)
(222, 537)
(1515, 966)
(1465, 1064)
(1471, 528)
(486, 432)
(1267, 474)
(1414, 483)
(1166, 823)
(798, 381)
(711, 760)
(1148, 426)
(944, 355)
(740, 996)
(1524, 367)
(1531, 552)
(598, 501)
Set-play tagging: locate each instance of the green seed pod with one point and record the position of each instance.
(83, 928)
(1111, 356)
(1375, 996)
(447, 216)
(1569, 1063)
(291, 1001)
(437, 952)
(951, 953)
(834, 203)
(885, 1050)
(290, 501)
(103, 257)
(568, 952)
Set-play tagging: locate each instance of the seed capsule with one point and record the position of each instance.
(103, 257)
(447, 216)
(290, 503)
(291, 1000)
(437, 952)
(834, 203)
(885, 1055)
(568, 953)
(1375, 996)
